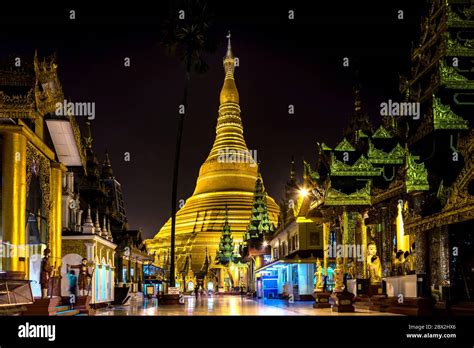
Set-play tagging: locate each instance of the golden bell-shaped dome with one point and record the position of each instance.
(226, 179)
(229, 92)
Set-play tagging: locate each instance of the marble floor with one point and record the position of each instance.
(226, 305)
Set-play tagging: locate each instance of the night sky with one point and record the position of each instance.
(282, 62)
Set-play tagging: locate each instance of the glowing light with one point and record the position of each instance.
(304, 192)
(265, 244)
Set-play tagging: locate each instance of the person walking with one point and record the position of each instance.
(196, 291)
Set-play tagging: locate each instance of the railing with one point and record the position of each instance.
(15, 292)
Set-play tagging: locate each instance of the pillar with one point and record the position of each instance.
(422, 255)
(14, 199)
(345, 236)
(387, 244)
(360, 246)
(444, 253)
(326, 246)
(55, 225)
(119, 268)
(129, 270)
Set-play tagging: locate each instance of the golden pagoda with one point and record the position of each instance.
(227, 178)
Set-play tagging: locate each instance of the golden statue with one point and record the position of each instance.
(374, 266)
(319, 276)
(375, 271)
(339, 275)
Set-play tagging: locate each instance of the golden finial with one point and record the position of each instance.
(229, 47)
(229, 91)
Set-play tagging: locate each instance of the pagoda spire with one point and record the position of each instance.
(205, 265)
(259, 221)
(229, 139)
(88, 140)
(292, 177)
(107, 171)
(359, 123)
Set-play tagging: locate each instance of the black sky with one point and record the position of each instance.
(282, 62)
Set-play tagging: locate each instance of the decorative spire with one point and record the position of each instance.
(107, 172)
(229, 93)
(88, 139)
(104, 227)
(359, 123)
(226, 245)
(88, 226)
(205, 265)
(229, 47)
(229, 142)
(260, 223)
(88, 218)
(292, 178)
(97, 224)
(109, 234)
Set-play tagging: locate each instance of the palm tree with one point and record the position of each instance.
(188, 39)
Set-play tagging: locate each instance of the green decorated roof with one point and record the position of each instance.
(382, 133)
(361, 134)
(454, 20)
(324, 147)
(361, 167)
(344, 145)
(395, 156)
(359, 197)
(457, 48)
(452, 79)
(445, 118)
(416, 175)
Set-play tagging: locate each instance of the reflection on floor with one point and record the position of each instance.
(226, 305)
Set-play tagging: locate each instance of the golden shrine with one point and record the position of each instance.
(227, 177)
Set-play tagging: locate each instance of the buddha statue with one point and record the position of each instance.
(375, 271)
(400, 263)
(371, 252)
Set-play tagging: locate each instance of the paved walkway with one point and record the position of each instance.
(226, 305)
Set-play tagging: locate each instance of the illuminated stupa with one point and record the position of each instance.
(227, 178)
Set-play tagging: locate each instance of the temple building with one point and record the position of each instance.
(227, 178)
(55, 196)
(32, 167)
(396, 202)
(95, 227)
(286, 266)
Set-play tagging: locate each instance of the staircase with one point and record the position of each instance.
(65, 311)
(57, 306)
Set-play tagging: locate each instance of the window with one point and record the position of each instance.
(294, 242)
(275, 253)
(314, 238)
(36, 220)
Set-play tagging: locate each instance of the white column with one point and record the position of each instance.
(90, 251)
